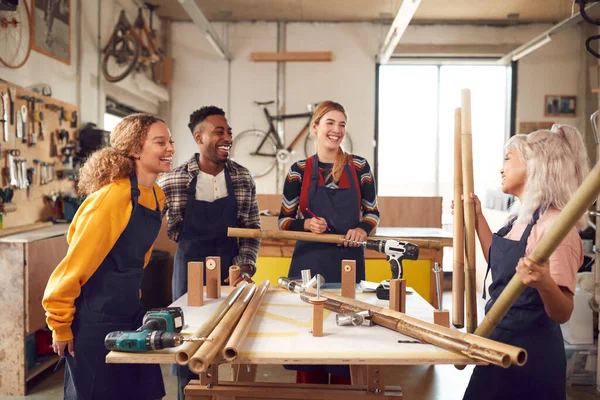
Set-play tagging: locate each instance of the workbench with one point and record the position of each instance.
(275, 257)
(27, 260)
(280, 335)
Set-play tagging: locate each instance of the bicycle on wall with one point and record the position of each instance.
(15, 33)
(260, 151)
(132, 47)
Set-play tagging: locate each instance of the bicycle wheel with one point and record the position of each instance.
(120, 58)
(255, 150)
(15, 36)
(310, 146)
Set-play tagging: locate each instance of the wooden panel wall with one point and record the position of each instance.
(32, 207)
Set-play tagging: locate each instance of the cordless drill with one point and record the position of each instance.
(396, 251)
(160, 330)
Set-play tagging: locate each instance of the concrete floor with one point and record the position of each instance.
(439, 382)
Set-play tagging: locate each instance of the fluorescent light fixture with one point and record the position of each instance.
(403, 17)
(531, 48)
(198, 18)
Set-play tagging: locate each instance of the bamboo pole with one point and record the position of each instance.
(189, 348)
(469, 210)
(473, 346)
(458, 241)
(204, 356)
(573, 211)
(24, 228)
(318, 237)
(231, 349)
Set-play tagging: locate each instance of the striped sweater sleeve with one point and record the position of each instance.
(290, 201)
(368, 192)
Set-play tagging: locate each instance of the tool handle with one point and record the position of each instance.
(396, 266)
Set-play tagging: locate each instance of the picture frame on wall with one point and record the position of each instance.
(51, 22)
(560, 106)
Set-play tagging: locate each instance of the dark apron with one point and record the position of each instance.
(525, 325)
(340, 208)
(110, 301)
(204, 234)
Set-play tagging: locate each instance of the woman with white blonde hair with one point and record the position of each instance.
(542, 169)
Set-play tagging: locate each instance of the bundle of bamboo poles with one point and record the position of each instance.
(231, 320)
(463, 274)
(319, 237)
(470, 345)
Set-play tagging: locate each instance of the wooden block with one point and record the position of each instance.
(441, 317)
(234, 274)
(398, 295)
(213, 277)
(195, 284)
(349, 279)
(317, 302)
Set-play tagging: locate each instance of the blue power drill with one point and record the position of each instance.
(160, 330)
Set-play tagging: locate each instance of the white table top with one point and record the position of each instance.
(280, 335)
(38, 234)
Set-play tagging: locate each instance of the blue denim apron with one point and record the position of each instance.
(525, 325)
(204, 234)
(340, 208)
(110, 301)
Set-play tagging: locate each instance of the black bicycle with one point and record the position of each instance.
(260, 151)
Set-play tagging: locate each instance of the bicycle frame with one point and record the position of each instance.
(273, 131)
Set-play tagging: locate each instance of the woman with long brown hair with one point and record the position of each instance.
(95, 288)
(330, 192)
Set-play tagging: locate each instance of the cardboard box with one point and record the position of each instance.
(270, 202)
(269, 223)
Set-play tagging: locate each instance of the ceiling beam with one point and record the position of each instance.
(545, 37)
(403, 17)
(198, 18)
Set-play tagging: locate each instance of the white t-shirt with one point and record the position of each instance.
(210, 188)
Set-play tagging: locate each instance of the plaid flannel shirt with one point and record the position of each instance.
(175, 185)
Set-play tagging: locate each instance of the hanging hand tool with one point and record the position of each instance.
(13, 96)
(19, 126)
(5, 120)
(30, 177)
(12, 167)
(24, 119)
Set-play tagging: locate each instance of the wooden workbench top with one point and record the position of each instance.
(280, 335)
(38, 234)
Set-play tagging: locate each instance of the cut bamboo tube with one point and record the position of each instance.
(195, 284)
(469, 210)
(575, 208)
(318, 237)
(473, 346)
(458, 241)
(349, 278)
(189, 348)
(204, 356)
(24, 228)
(213, 277)
(234, 274)
(232, 347)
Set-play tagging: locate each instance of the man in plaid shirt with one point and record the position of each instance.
(205, 196)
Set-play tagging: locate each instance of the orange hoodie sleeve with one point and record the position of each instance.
(95, 229)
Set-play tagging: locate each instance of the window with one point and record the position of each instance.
(416, 128)
(110, 121)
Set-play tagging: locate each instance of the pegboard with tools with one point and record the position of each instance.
(37, 145)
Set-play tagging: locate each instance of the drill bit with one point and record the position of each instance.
(196, 339)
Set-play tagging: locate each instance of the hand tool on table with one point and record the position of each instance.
(160, 330)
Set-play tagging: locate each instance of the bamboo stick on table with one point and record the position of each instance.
(473, 346)
(318, 237)
(24, 228)
(231, 349)
(206, 353)
(189, 348)
(575, 208)
(469, 210)
(458, 242)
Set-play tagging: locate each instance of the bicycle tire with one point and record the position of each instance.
(9, 62)
(310, 149)
(251, 139)
(131, 62)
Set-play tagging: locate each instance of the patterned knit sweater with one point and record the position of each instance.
(291, 218)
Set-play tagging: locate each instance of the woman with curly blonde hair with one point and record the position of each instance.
(543, 170)
(95, 288)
